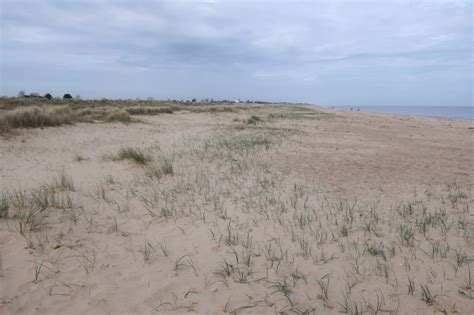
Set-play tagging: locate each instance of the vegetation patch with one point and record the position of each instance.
(253, 120)
(134, 155)
(102, 114)
(53, 116)
(298, 112)
(150, 110)
(3, 207)
(35, 117)
(247, 142)
(163, 168)
(18, 113)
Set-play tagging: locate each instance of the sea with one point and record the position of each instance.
(450, 112)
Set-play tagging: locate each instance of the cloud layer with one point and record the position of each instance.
(331, 52)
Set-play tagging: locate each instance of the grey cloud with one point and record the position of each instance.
(266, 44)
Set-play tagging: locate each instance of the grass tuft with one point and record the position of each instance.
(253, 120)
(132, 154)
(3, 207)
(63, 182)
(163, 168)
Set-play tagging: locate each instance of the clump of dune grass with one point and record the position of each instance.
(118, 115)
(132, 154)
(35, 117)
(213, 109)
(165, 167)
(79, 157)
(246, 142)
(149, 110)
(253, 120)
(455, 193)
(102, 114)
(28, 210)
(63, 182)
(3, 207)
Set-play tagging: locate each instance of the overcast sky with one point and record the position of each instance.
(332, 52)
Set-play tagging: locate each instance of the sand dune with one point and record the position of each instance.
(298, 210)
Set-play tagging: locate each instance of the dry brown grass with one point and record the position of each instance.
(38, 113)
(35, 117)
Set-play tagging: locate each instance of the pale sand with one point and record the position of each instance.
(252, 218)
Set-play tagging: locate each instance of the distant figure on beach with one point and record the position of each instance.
(357, 109)
(351, 108)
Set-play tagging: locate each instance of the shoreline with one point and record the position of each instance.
(402, 111)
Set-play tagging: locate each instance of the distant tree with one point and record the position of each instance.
(21, 94)
(67, 96)
(193, 100)
(48, 96)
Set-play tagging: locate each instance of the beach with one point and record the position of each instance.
(255, 210)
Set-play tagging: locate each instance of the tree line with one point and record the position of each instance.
(47, 95)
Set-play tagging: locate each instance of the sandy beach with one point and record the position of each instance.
(258, 210)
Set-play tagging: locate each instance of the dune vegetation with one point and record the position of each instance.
(234, 209)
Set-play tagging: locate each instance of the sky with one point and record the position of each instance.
(334, 52)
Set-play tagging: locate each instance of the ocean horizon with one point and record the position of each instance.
(449, 112)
